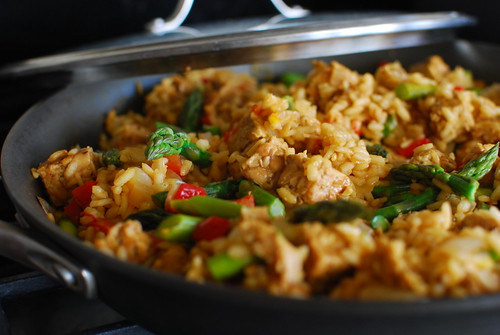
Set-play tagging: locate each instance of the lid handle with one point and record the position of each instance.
(160, 26)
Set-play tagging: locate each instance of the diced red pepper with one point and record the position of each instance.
(408, 151)
(174, 163)
(356, 126)
(206, 120)
(73, 211)
(83, 193)
(382, 63)
(186, 191)
(211, 228)
(458, 88)
(99, 223)
(247, 200)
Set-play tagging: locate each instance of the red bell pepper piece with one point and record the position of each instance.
(356, 126)
(99, 223)
(83, 193)
(174, 164)
(408, 151)
(211, 228)
(186, 191)
(247, 200)
(206, 120)
(72, 211)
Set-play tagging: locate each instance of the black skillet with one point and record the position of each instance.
(168, 304)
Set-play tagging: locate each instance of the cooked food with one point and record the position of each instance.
(337, 183)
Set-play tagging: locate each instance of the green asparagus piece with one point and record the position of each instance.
(163, 142)
(214, 130)
(377, 150)
(207, 206)
(226, 189)
(192, 112)
(112, 157)
(418, 172)
(484, 191)
(327, 212)
(291, 104)
(411, 91)
(460, 185)
(390, 125)
(463, 183)
(223, 266)
(397, 198)
(159, 199)
(494, 255)
(177, 228)
(480, 166)
(380, 221)
(171, 140)
(390, 190)
(482, 205)
(290, 78)
(262, 198)
(68, 226)
(418, 202)
(196, 155)
(150, 218)
(171, 126)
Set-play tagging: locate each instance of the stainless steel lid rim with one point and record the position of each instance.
(365, 27)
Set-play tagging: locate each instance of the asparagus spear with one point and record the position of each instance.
(418, 172)
(380, 221)
(159, 199)
(327, 212)
(460, 185)
(177, 228)
(397, 198)
(214, 130)
(226, 189)
(290, 78)
(411, 91)
(291, 103)
(190, 118)
(262, 198)
(163, 142)
(480, 166)
(150, 218)
(167, 141)
(68, 226)
(390, 190)
(425, 174)
(415, 203)
(377, 150)
(112, 157)
(196, 155)
(207, 206)
(223, 266)
(390, 125)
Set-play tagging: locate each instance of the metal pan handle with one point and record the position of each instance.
(20, 247)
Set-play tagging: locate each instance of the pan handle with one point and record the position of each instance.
(18, 246)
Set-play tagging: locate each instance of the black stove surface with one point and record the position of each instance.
(33, 303)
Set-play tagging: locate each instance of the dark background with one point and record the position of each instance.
(31, 28)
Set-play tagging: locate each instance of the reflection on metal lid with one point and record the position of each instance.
(244, 42)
